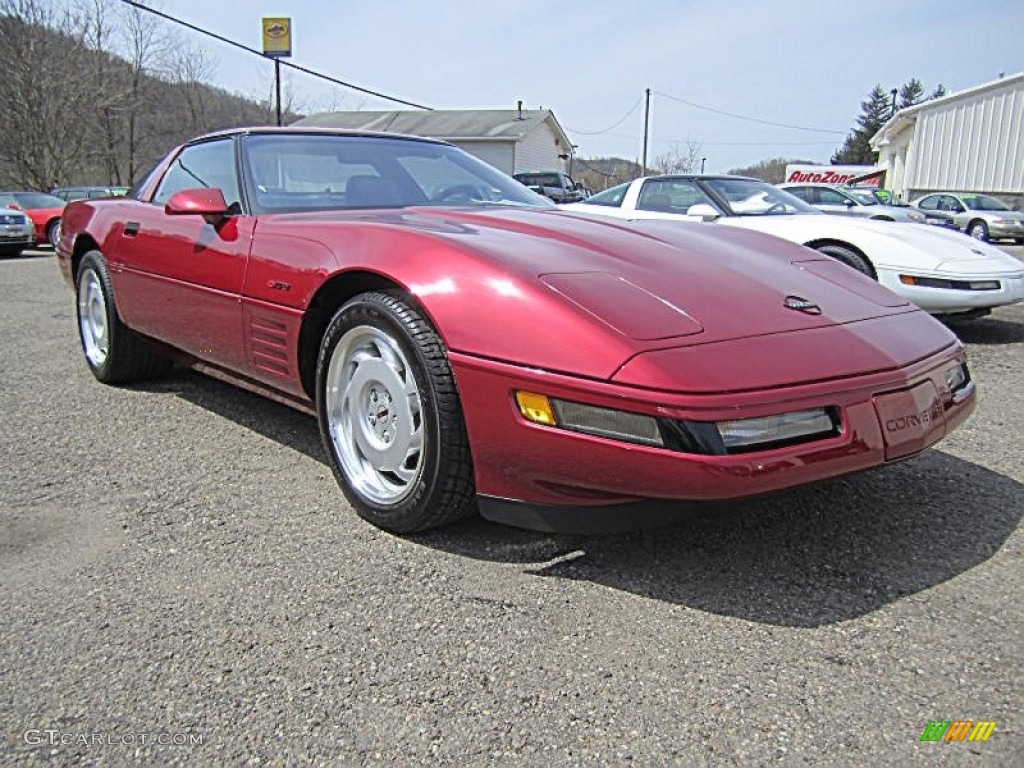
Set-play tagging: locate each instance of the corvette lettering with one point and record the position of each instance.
(922, 419)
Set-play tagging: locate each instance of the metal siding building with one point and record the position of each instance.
(972, 140)
(510, 140)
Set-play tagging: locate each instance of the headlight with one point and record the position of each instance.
(764, 431)
(589, 419)
(681, 435)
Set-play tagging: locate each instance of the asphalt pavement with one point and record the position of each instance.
(182, 582)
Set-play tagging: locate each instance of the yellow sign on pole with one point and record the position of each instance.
(277, 36)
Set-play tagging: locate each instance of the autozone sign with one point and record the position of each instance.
(828, 174)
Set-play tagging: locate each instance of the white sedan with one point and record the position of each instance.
(943, 272)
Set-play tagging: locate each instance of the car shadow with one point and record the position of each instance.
(986, 331)
(814, 556)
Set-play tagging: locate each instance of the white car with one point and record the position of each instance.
(943, 272)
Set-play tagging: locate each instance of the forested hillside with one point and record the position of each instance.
(74, 112)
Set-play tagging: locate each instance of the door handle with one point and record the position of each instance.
(131, 229)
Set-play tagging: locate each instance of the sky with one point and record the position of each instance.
(805, 63)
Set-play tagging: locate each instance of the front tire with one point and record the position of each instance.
(978, 230)
(849, 257)
(115, 354)
(390, 416)
(53, 233)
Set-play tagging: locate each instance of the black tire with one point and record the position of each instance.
(978, 230)
(849, 257)
(128, 356)
(440, 487)
(53, 233)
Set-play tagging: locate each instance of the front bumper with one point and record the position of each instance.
(1010, 229)
(942, 301)
(521, 465)
(13, 235)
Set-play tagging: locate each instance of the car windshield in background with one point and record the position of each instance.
(33, 200)
(291, 173)
(984, 203)
(863, 196)
(748, 197)
(538, 179)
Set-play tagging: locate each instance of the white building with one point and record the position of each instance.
(972, 141)
(509, 139)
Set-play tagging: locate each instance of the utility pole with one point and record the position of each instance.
(277, 87)
(702, 164)
(647, 123)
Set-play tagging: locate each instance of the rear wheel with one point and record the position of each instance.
(115, 353)
(849, 257)
(390, 416)
(978, 230)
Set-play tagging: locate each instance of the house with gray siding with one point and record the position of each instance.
(512, 140)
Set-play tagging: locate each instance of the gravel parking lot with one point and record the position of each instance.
(183, 582)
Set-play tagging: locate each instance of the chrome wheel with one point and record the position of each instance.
(92, 318)
(375, 415)
(53, 233)
(979, 231)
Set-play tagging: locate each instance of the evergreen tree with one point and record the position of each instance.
(856, 149)
(939, 92)
(911, 93)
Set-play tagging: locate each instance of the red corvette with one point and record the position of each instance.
(466, 345)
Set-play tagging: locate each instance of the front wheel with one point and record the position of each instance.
(978, 230)
(849, 257)
(390, 416)
(53, 232)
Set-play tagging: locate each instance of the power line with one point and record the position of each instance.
(746, 117)
(246, 48)
(611, 127)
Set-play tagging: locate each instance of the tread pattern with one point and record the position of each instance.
(131, 357)
(450, 493)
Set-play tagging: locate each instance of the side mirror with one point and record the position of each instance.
(208, 203)
(704, 211)
(849, 203)
(14, 206)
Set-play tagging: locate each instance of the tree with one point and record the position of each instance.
(911, 93)
(679, 160)
(939, 92)
(856, 150)
(772, 170)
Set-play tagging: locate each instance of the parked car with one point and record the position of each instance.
(941, 271)
(879, 195)
(845, 201)
(981, 216)
(554, 185)
(88, 193)
(16, 232)
(464, 343)
(44, 210)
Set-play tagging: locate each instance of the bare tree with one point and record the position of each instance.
(42, 108)
(685, 159)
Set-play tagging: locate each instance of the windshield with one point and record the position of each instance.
(34, 200)
(984, 203)
(538, 179)
(749, 197)
(296, 172)
(863, 196)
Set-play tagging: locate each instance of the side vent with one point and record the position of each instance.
(269, 346)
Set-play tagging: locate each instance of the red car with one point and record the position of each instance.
(466, 345)
(44, 210)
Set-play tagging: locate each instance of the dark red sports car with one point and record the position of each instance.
(466, 345)
(44, 211)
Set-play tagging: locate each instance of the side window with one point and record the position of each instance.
(830, 197)
(930, 203)
(210, 164)
(804, 193)
(670, 196)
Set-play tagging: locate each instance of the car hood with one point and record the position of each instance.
(1004, 215)
(636, 286)
(907, 245)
